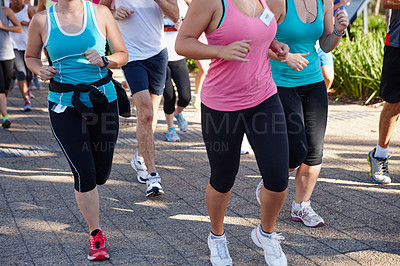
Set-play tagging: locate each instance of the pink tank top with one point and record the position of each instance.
(233, 85)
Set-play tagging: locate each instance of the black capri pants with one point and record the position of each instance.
(88, 146)
(22, 71)
(179, 72)
(265, 127)
(306, 112)
(6, 68)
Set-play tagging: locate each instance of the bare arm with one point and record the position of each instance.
(31, 12)
(41, 5)
(119, 56)
(391, 4)
(204, 16)
(169, 8)
(328, 41)
(10, 15)
(36, 35)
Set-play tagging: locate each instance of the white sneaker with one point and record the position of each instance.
(306, 214)
(379, 172)
(219, 251)
(154, 185)
(258, 190)
(139, 166)
(273, 253)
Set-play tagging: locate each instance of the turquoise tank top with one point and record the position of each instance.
(64, 50)
(301, 38)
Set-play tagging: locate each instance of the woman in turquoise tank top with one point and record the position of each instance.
(75, 38)
(302, 90)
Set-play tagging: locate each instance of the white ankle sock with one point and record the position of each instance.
(264, 233)
(381, 152)
(216, 237)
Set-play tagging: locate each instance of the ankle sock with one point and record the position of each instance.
(94, 232)
(217, 236)
(381, 152)
(5, 117)
(265, 233)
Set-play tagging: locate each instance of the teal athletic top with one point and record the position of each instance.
(64, 50)
(301, 38)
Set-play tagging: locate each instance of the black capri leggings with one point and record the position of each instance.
(306, 112)
(88, 146)
(6, 68)
(22, 71)
(179, 72)
(265, 127)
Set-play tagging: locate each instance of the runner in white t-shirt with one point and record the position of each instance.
(141, 26)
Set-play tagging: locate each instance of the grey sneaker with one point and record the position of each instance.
(219, 251)
(154, 185)
(139, 166)
(182, 123)
(273, 253)
(306, 214)
(379, 172)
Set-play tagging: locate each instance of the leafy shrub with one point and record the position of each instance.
(191, 65)
(358, 62)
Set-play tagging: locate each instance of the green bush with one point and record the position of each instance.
(358, 62)
(191, 65)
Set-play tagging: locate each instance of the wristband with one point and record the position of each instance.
(338, 34)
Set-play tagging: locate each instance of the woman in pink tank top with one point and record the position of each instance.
(239, 96)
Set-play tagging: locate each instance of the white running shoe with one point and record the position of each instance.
(154, 185)
(273, 253)
(258, 190)
(379, 172)
(219, 251)
(139, 166)
(306, 214)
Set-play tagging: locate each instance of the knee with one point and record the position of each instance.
(184, 100)
(145, 116)
(391, 109)
(297, 157)
(277, 183)
(85, 180)
(222, 185)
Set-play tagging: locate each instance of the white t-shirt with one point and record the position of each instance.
(143, 31)
(19, 40)
(171, 35)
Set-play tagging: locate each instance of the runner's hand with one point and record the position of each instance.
(93, 57)
(122, 12)
(297, 61)
(341, 21)
(236, 51)
(47, 72)
(280, 49)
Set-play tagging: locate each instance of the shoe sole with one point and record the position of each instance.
(27, 110)
(155, 193)
(370, 172)
(101, 257)
(6, 124)
(139, 178)
(297, 219)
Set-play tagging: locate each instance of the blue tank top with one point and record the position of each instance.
(301, 38)
(64, 50)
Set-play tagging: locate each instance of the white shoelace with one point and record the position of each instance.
(276, 240)
(222, 248)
